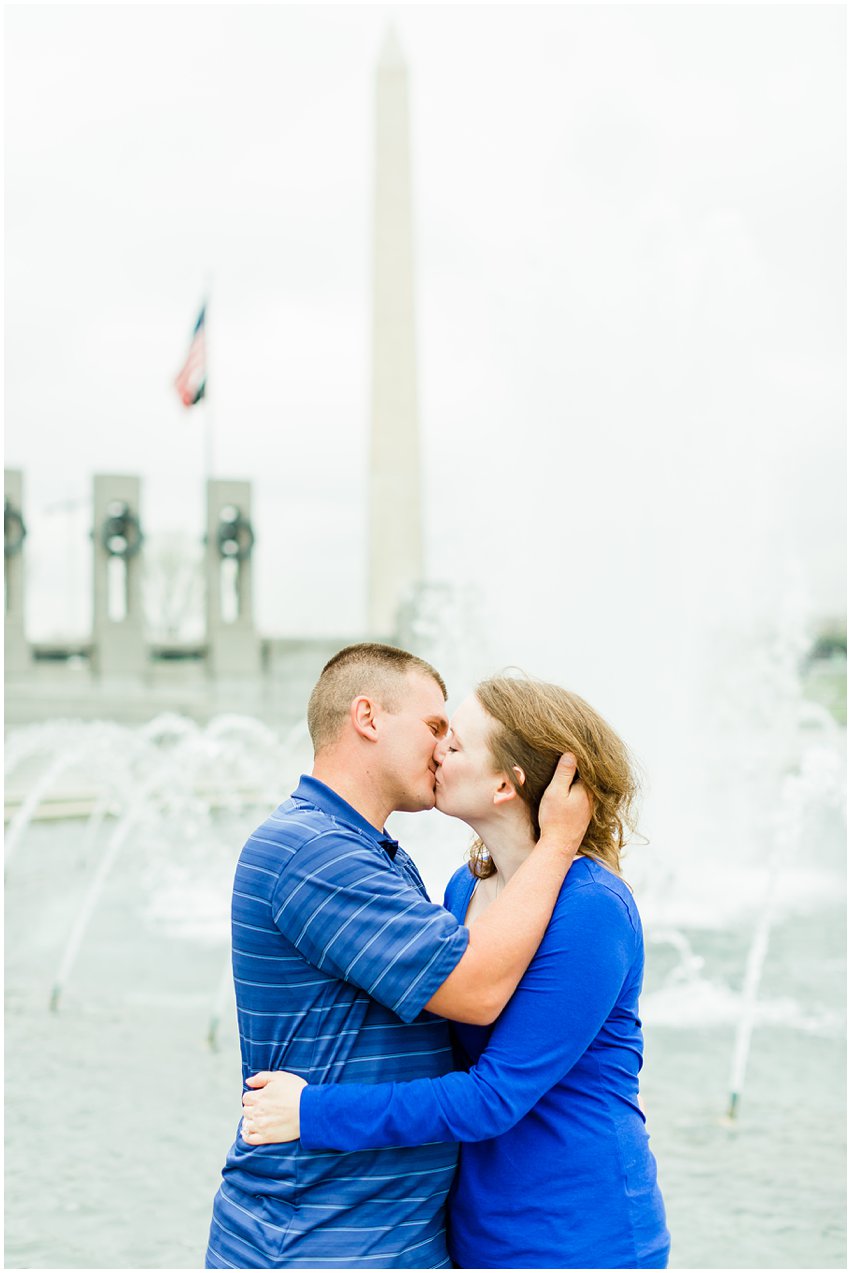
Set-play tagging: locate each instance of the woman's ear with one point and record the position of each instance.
(506, 789)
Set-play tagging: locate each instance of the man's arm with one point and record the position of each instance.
(575, 979)
(354, 917)
(504, 939)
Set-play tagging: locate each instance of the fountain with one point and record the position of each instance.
(161, 775)
(118, 915)
(122, 833)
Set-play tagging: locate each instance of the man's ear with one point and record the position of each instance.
(362, 714)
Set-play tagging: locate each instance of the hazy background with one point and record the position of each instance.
(630, 228)
(631, 307)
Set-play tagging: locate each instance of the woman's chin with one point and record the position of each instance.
(440, 800)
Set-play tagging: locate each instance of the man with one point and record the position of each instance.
(337, 951)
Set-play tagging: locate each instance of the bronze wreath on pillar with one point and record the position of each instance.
(121, 533)
(234, 536)
(14, 530)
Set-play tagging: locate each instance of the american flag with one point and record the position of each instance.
(192, 380)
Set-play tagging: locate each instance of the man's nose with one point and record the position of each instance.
(440, 750)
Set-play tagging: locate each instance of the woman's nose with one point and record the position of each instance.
(440, 750)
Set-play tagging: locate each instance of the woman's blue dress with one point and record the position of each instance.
(555, 1169)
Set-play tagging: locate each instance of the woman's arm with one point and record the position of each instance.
(558, 1009)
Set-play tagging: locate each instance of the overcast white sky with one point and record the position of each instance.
(630, 231)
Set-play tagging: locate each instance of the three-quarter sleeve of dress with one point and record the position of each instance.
(563, 1000)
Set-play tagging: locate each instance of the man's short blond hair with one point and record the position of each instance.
(378, 671)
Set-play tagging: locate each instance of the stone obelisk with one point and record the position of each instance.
(395, 502)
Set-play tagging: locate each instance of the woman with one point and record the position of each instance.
(555, 1168)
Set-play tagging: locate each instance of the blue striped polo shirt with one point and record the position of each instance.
(336, 950)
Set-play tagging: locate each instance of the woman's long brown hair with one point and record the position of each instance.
(534, 723)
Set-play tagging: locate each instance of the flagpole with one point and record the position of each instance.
(193, 385)
(208, 418)
(209, 439)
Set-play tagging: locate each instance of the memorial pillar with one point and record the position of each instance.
(118, 621)
(233, 647)
(17, 652)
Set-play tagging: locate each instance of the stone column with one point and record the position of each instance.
(18, 657)
(118, 636)
(233, 647)
(395, 506)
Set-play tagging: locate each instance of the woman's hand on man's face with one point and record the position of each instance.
(270, 1111)
(565, 808)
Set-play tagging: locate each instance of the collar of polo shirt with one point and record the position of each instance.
(316, 793)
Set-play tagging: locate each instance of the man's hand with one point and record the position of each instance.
(504, 938)
(270, 1112)
(565, 809)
